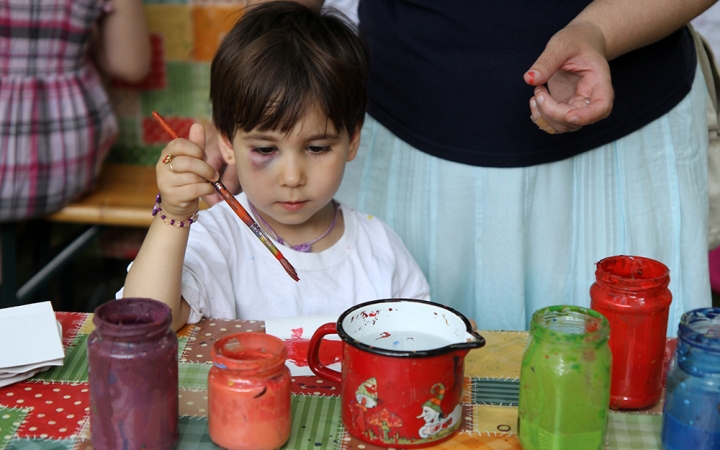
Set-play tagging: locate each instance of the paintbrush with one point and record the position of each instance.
(239, 210)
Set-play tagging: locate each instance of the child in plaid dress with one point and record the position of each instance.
(56, 122)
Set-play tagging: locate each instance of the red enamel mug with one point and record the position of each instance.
(403, 364)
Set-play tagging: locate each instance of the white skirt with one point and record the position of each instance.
(497, 244)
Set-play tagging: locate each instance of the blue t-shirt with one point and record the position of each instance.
(447, 78)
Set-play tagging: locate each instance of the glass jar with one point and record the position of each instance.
(632, 293)
(133, 375)
(565, 380)
(691, 414)
(249, 392)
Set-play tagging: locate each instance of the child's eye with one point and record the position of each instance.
(319, 148)
(263, 150)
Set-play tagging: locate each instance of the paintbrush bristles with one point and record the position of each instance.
(289, 269)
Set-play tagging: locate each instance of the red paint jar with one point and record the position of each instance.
(632, 292)
(249, 392)
(133, 376)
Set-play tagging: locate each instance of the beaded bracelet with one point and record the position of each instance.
(177, 223)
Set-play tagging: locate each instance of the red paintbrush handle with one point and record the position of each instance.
(165, 126)
(234, 204)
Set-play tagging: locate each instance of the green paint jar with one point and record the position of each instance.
(565, 380)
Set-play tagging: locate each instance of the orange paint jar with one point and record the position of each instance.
(249, 393)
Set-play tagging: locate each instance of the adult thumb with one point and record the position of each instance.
(543, 68)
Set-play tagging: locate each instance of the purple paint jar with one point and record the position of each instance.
(133, 374)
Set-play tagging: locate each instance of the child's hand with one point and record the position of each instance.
(183, 175)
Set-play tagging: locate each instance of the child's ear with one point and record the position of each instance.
(354, 142)
(226, 149)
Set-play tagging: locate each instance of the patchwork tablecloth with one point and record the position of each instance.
(51, 410)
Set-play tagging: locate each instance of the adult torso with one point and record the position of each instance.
(447, 77)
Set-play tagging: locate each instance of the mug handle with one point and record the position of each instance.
(313, 356)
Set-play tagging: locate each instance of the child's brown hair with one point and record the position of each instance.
(282, 60)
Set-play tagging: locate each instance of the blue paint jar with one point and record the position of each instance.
(691, 415)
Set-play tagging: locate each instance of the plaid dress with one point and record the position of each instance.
(56, 122)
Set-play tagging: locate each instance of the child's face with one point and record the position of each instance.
(290, 177)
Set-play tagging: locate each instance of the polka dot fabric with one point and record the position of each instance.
(54, 411)
(305, 385)
(207, 332)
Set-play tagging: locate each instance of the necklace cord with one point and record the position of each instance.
(305, 246)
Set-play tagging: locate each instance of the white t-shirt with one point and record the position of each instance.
(229, 274)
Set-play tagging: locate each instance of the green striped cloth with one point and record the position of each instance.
(493, 391)
(316, 423)
(74, 368)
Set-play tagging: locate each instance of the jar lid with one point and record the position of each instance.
(701, 328)
(570, 323)
(632, 272)
(132, 319)
(256, 352)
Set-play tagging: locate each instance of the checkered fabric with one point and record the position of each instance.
(56, 122)
(193, 375)
(633, 431)
(194, 434)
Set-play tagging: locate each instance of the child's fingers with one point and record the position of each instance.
(183, 155)
(182, 179)
(197, 135)
(183, 164)
(181, 193)
(184, 147)
(188, 193)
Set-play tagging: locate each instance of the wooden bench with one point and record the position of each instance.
(124, 196)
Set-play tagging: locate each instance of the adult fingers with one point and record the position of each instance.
(597, 106)
(549, 114)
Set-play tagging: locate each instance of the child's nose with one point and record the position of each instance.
(292, 173)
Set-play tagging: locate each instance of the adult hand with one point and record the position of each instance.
(228, 172)
(579, 89)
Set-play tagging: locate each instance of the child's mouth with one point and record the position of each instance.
(292, 206)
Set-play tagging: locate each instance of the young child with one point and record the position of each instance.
(288, 95)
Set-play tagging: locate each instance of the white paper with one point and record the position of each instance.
(28, 337)
(19, 377)
(300, 328)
